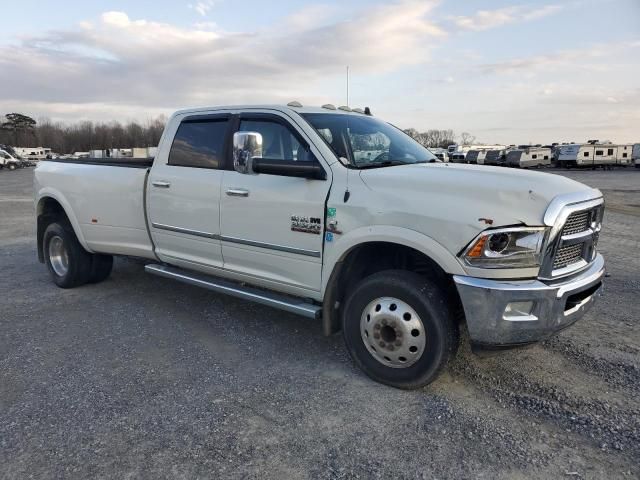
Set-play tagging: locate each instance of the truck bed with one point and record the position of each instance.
(106, 198)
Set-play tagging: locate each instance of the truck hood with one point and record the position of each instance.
(455, 202)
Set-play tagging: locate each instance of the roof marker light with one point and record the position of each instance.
(344, 108)
(329, 106)
(295, 103)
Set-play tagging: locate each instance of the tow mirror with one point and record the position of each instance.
(246, 147)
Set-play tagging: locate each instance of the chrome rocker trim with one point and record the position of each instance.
(240, 241)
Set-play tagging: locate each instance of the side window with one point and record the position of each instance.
(599, 152)
(610, 151)
(586, 154)
(278, 142)
(199, 144)
(624, 155)
(534, 156)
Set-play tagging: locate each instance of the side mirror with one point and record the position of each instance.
(246, 147)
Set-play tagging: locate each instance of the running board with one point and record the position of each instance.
(264, 297)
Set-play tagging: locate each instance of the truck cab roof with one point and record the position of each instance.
(278, 107)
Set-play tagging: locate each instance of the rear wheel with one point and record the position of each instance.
(101, 266)
(399, 329)
(68, 263)
(11, 166)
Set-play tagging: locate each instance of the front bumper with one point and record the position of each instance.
(553, 305)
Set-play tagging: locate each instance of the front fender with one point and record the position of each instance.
(337, 250)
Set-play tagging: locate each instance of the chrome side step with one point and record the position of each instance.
(283, 302)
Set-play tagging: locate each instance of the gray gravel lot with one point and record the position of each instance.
(143, 377)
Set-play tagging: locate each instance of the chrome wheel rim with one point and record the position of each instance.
(58, 256)
(393, 332)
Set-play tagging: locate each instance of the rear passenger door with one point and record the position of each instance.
(184, 192)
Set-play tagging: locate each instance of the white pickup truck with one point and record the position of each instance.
(337, 216)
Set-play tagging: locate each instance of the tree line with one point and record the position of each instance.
(20, 130)
(439, 138)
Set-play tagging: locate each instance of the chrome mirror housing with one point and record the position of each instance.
(246, 147)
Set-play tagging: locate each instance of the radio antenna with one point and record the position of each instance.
(347, 85)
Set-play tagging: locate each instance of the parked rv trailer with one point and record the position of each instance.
(635, 155)
(472, 156)
(624, 154)
(496, 157)
(33, 153)
(594, 155)
(529, 157)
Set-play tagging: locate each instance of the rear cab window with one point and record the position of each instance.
(199, 143)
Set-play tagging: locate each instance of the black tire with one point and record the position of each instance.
(78, 260)
(101, 266)
(434, 311)
(11, 166)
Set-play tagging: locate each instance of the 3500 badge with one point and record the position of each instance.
(304, 224)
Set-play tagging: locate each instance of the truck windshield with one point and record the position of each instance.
(366, 142)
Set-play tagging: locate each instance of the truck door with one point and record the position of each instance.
(184, 192)
(272, 225)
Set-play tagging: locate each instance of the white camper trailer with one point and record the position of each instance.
(594, 155)
(33, 153)
(624, 155)
(529, 157)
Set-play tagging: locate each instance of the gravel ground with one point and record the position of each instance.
(143, 377)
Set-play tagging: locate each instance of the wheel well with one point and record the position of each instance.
(372, 257)
(48, 211)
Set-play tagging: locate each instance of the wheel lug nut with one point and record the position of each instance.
(398, 343)
(391, 348)
(384, 321)
(377, 327)
(376, 336)
(381, 344)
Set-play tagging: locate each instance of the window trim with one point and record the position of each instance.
(204, 118)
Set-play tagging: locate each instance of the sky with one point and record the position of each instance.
(506, 72)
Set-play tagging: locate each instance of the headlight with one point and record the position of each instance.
(518, 247)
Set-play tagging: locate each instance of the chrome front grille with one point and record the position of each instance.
(566, 256)
(577, 222)
(574, 245)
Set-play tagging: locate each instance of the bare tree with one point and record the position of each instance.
(467, 139)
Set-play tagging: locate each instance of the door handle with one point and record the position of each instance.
(237, 192)
(161, 184)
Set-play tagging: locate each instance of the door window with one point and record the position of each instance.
(199, 144)
(278, 141)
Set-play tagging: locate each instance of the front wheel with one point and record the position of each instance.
(11, 166)
(399, 328)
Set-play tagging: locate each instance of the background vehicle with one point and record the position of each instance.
(8, 161)
(594, 154)
(33, 153)
(441, 154)
(636, 155)
(529, 157)
(282, 205)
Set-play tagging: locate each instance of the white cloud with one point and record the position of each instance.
(488, 19)
(203, 7)
(146, 64)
